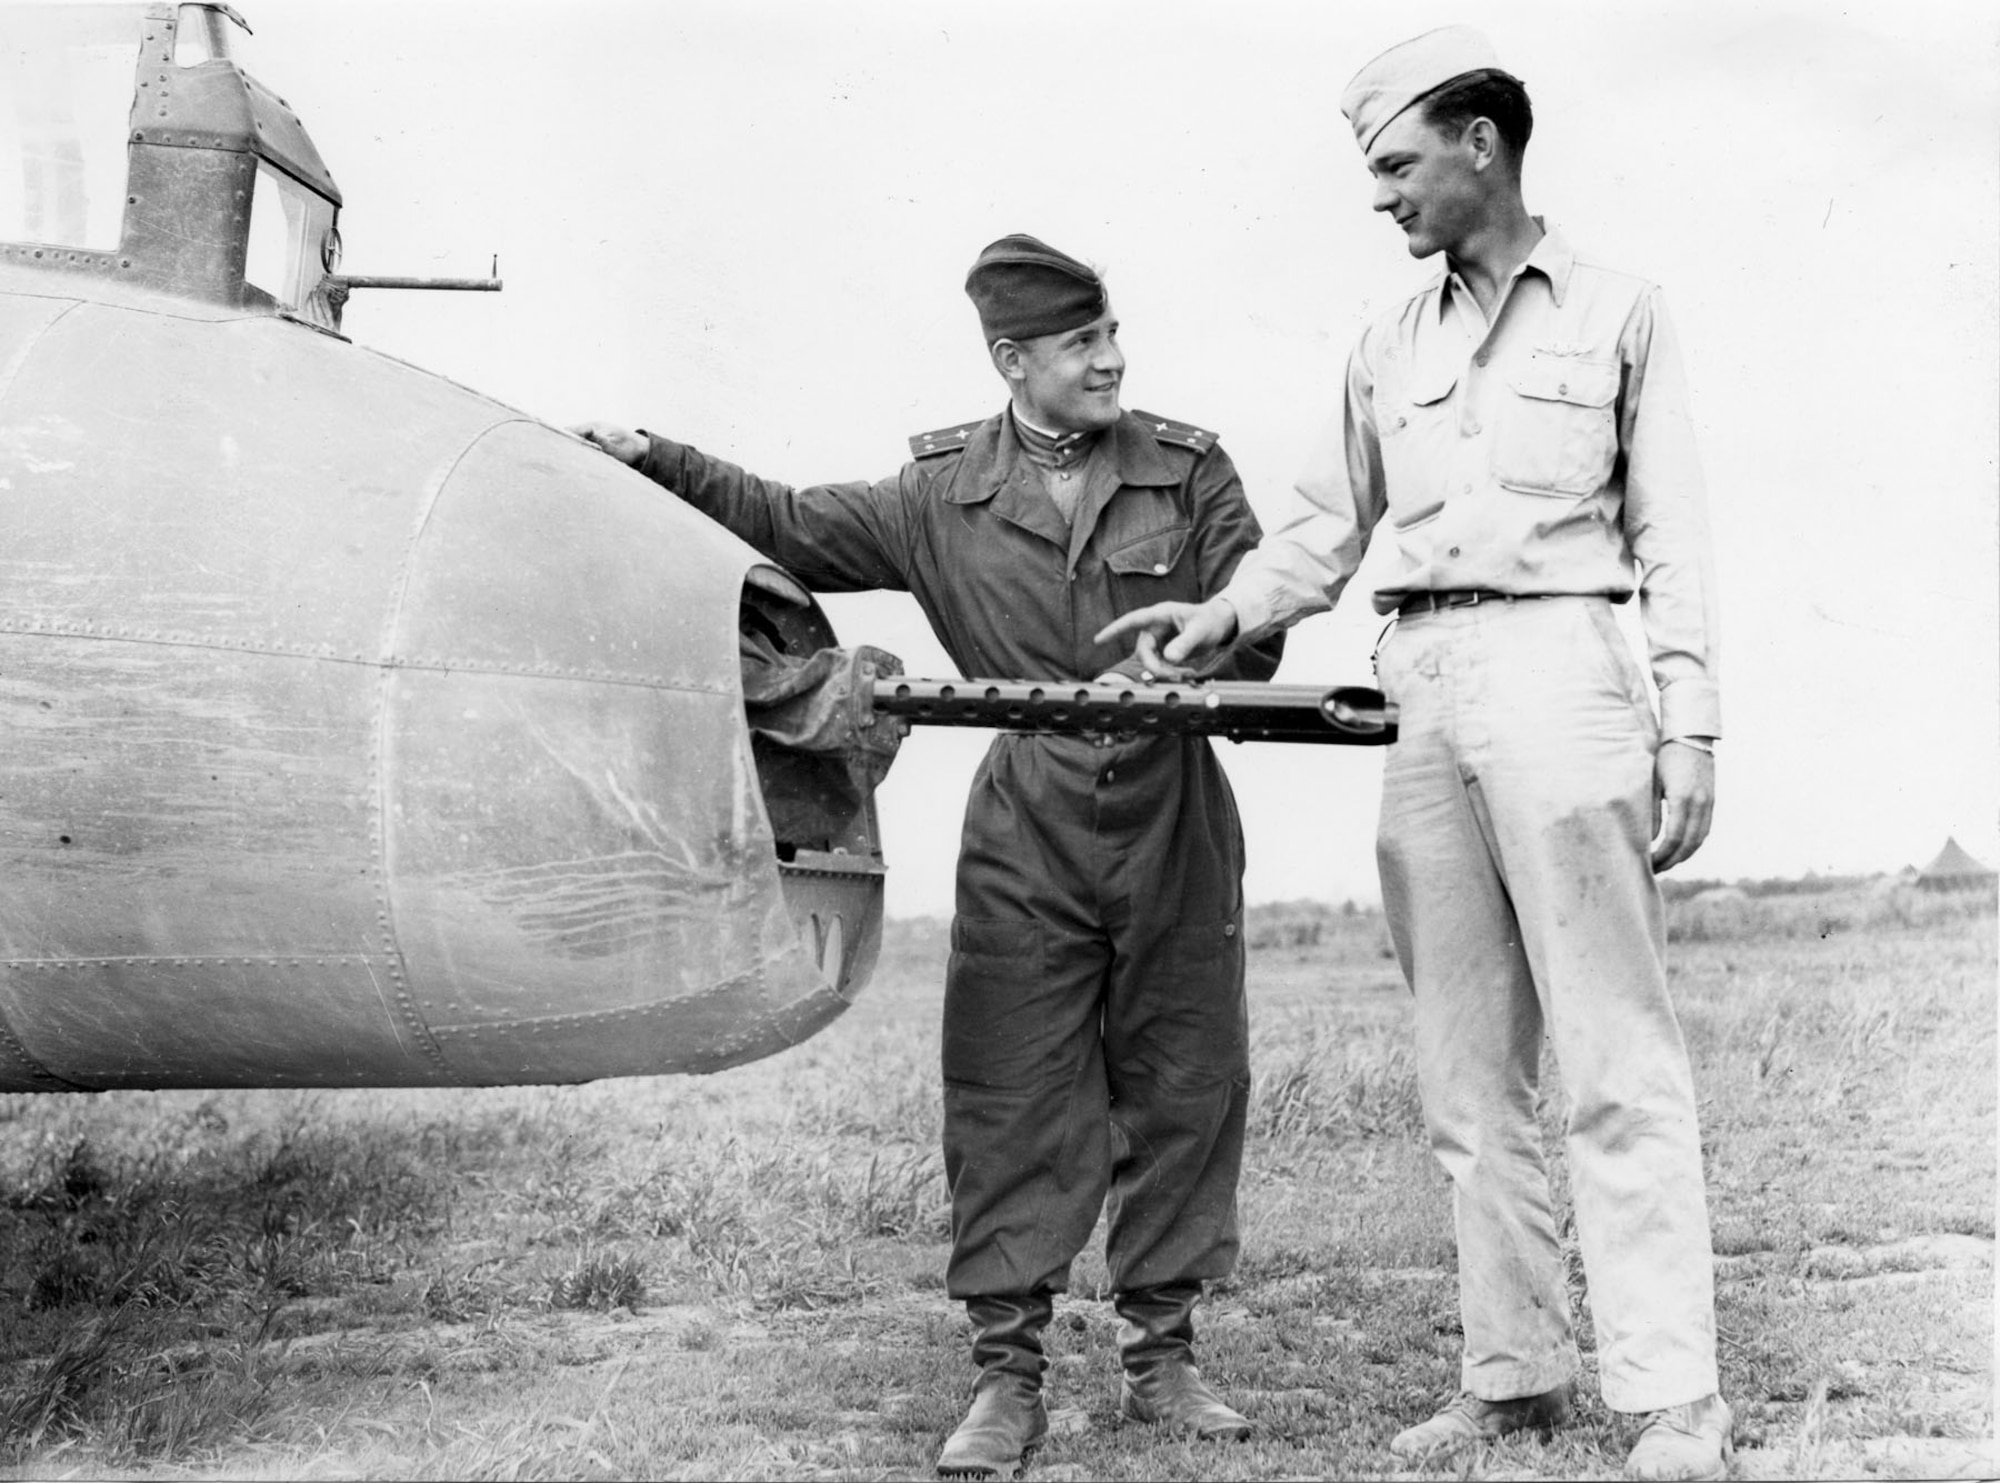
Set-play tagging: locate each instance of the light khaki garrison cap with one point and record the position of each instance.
(1404, 73)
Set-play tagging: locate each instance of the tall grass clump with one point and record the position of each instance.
(900, 1194)
(154, 1281)
(777, 1223)
(1313, 1078)
(601, 1281)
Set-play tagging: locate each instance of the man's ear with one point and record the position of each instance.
(1483, 139)
(1009, 360)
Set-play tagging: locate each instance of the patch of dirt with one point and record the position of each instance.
(1912, 1257)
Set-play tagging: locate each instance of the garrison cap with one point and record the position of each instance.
(1383, 89)
(1024, 288)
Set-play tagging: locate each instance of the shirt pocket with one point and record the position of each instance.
(1413, 423)
(1156, 554)
(1559, 434)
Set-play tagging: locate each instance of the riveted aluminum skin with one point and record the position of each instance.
(360, 730)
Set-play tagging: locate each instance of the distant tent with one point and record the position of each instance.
(1954, 870)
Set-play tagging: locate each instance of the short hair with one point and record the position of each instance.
(1487, 93)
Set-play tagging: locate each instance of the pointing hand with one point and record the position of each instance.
(1194, 633)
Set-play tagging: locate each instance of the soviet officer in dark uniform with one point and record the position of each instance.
(1094, 1023)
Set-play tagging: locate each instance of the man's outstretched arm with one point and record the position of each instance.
(833, 537)
(1294, 572)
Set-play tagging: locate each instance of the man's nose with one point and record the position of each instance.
(1385, 196)
(1109, 357)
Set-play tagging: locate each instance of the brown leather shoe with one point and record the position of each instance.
(1691, 1441)
(1468, 1420)
(1007, 1422)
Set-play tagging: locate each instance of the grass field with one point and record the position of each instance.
(741, 1276)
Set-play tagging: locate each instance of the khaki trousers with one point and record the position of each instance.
(1516, 820)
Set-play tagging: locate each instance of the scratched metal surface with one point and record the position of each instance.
(361, 731)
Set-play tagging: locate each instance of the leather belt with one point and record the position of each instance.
(1458, 597)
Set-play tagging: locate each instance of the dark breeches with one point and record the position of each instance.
(1095, 1033)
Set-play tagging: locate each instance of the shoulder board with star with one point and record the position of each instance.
(944, 440)
(1178, 434)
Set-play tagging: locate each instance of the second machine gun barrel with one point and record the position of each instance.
(1241, 710)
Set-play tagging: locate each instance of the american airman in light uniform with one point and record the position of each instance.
(1518, 433)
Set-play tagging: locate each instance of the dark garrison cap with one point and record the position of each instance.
(1024, 288)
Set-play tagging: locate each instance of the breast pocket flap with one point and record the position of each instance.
(1429, 387)
(1152, 555)
(1554, 378)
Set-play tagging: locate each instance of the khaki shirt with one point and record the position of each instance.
(1547, 452)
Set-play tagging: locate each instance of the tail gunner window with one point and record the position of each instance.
(292, 246)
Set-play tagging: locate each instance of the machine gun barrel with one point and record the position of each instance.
(382, 280)
(1241, 710)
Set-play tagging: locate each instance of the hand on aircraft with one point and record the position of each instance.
(1194, 631)
(621, 443)
(1683, 802)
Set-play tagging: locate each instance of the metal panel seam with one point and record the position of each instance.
(218, 960)
(19, 358)
(35, 1070)
(301, 651)
(391, 622)
(384, 914)
(538, 1023)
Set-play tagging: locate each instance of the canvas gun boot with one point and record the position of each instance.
(1008, 1419)
(1162, 1385)
(1468, 1419)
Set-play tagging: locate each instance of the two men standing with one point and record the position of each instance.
(1518, 432)
(1095, 1035)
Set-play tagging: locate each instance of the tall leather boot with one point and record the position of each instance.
(1008, 1419)
(1162, 1384)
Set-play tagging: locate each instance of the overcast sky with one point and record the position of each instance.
(747, 225)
